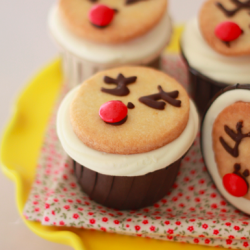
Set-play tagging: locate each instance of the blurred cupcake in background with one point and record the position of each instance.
(216, 48)
(94, 35)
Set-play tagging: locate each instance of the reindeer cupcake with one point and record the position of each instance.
(126, 130)
(94, 35)
(225, 143)
(216, 47)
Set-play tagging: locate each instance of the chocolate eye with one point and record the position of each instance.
(132, 1)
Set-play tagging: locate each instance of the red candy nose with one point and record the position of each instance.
(113, 111)
(228, 31)
(101, 15)
(235, 185)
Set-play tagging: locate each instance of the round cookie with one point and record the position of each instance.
(145, 128)
(225, 143)
(217, 16)
(131, 18)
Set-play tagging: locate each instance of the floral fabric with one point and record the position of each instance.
(193, 212)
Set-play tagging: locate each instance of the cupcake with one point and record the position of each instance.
(127, 130)
(216, 47)
(225, 142)
(93, 35)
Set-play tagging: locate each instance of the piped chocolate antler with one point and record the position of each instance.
(169, 97)
(240, 5)
(121, 82)
(237, 137)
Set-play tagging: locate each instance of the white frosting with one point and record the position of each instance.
(140, 50)
(122, 165)
(215, 109)
(203, 58)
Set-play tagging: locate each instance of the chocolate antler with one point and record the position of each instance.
(240, 5)
(133, 1)
(121, 82)
(237, 137)
(152, 100)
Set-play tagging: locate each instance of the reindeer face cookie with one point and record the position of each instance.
(226, 144)
(225, 25)
(111, 21)
(129, 110)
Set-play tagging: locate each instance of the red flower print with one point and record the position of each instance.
(90, 213)
(174, 198)
(163, 201)
(175, 185)
(207, 241)
(66, 207)
(245, 223)
(78, 201)
(237, 211)
(65, 189)
(35, 202)
(170, 231)
(230, 237)
(120, 213)
(192, 220)
(229, 242)
(197, 199)
(53, 212)
(243, 238)
(192, 209)
(61, 223)
(47, 206)
(169, 210)
(223, 203)
(192, 172)
(181, 205)
(191, 228)
(167, 222)
(145, 222)
(104, 219)
(116, 222)
(223, 210)
(191, 188)
(205, 226)
(129, 220)
(37, 209)
(180, 194)
(213, 195)
(103, 229)
(92, 221)
(111, 215)
(70, 201)
(214, 206)
(152, 228)
(75, 216)
(201, 236)
(65, 177)
(228, 224)
(196, 241)
(216, 232)
(187, 158)
(127, 225)
(178, 223)
(80, 208)
(46, 219)
(156, 205)
(169, 237)
(86, 203)
(186, 179)
(56, 200)
(245, 244)
(202, 181)
(236, 228)
(137, 228)
(201, 192)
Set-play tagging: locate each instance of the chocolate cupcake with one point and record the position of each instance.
(216, 48)
(225, 143)
(98, 35)
(127, 130)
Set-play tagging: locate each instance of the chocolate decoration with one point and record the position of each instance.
(237, 167)
(130, 105)
(121, 82)
(246, 173)
(133, 1)
(237, 137)
(169, 97)
(119, 123)
(93, 1)
(240, 5)
(125, 193)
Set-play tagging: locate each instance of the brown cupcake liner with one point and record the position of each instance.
(126, 193)
(201, 88)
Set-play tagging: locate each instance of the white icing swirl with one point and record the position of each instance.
(215, 109)
(201, 57)
(122, 165)
(141, 50)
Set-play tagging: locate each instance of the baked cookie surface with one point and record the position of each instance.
(231, 142)
(131, 19)
(225, 26)
(146, 128)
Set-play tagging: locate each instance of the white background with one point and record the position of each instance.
(25, 47)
